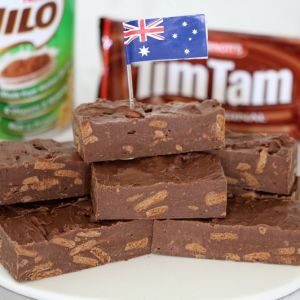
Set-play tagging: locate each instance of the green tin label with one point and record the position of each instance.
(36, 56)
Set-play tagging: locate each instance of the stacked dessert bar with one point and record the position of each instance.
(263, 211)
(157, 179)
(45, 238)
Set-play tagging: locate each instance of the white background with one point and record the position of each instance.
(277, 17)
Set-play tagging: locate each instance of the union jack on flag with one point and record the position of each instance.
(143, 31)
(169, 38)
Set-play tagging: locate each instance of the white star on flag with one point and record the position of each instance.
(184, 24)
(195, 31)
(144, 51)
(186, 51)
(190, 39)
(174, 35)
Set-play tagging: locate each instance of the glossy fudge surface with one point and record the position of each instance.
(46, 239)
(174, 186)
(107, 130)
(262, 162)
(41, 170)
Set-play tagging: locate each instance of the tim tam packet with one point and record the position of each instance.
(256, 78)
(36, 41)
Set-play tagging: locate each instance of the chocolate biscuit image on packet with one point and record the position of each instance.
(255, 77)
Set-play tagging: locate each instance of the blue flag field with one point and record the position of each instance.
(170, 38)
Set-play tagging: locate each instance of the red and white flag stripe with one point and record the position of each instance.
(143, 31)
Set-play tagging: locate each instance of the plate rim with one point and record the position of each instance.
(24, 289)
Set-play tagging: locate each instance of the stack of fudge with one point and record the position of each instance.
(162, 179)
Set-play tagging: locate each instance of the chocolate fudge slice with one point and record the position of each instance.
(174, 186)
(40, 240)
(41, 170)
(260, 230)
(262, 162)
(245, 193)
(107, 130)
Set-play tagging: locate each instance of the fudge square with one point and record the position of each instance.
(189, 185)
(263, 162)
(51, 238)
(263, 230)
(244, 193)
(107, 130)
(41, 170)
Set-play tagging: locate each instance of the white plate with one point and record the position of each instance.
(164, 278)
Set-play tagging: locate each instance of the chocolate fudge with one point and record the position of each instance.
(46, 239)
(262, 162)
(107, 130)
(260, 230)
(174, 186)
(244, 193)
(41, 170)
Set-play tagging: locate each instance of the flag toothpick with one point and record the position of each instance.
(130, 87)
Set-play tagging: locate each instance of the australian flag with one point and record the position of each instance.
(165, 38)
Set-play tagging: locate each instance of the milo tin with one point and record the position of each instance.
(36, 71)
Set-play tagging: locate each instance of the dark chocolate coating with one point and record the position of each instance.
(46, 239)
(265, 230)
(174, 186)
(41, 170)
(108, 130)
(262, 162)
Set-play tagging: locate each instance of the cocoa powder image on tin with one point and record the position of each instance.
(22, 67)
